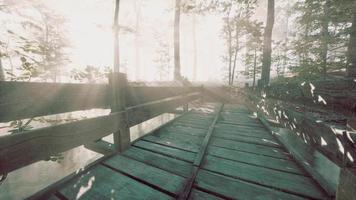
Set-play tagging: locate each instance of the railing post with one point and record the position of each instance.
(202, 93)
(186, 106)
(118, 86)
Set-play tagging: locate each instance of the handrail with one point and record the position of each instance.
(129, 105)
(21, 100)
(25, 148)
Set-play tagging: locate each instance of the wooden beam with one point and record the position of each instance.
(20, 100)
(101, 146)
(199, 157)
(25, 148)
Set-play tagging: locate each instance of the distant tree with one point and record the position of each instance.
(267, 42)
(39, 45)
(253, 51)
(164, 61)
(177, 73)
(91, 74)
(351, 69)
(322, 45)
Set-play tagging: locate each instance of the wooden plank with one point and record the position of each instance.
(199, 195)
(252, 140)
(154, 176)
(250, 148)
(187, 145)
(185, 130)
(247, 124)
(165, 150)
(104, 183)
(204, 146)
(178, 137)
(232, 134)
(232, 127)
(291, 183)
(118, 87)
(236, 189)
(166, 163)
(142, 94)
(20, 100)
(189, 124)
(101, 146)
(200, 155)
(25, 148)
(254, 159)
(140, 113)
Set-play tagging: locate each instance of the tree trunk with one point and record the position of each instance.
(351, 71)
(254, 69)
(137, 44)
(325, 38)
(235, 55)
(267, 42)
(229, 43)
(116, 38)
(195, 61)
(2, 74)
(177, 74)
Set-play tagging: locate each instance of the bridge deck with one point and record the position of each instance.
(210, 153)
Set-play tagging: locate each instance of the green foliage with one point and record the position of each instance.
(36, 48)
(322, 36)
(90, 74)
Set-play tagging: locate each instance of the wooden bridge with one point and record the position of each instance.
(215, 150)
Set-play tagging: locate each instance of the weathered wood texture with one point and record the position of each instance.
(313, 132)
(28, 147)
(162, 165)
(20, 100)
(313, 144)
(337, 95)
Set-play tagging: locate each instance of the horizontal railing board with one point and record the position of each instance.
(25, 148)
(148, 110)
(21, 100)
(317, 134)
(140, 94)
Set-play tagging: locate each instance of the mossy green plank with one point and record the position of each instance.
(161, 149)
(179, 137)
(259, 160)
(251, 148)
(206, 120)
(253, 140)
(166, 163)
(231, 135)
(193, 125)
(199, 195)
(239, 123)
(237, 189)
(104, 183)
(233, 127)
(186, 130)
(188, 145)
(281, 180)
(155, 176)
(178, 133)
(242, 130)
(52, 197)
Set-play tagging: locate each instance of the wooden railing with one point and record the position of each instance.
(129, 106)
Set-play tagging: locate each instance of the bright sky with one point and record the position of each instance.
(89, 28)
